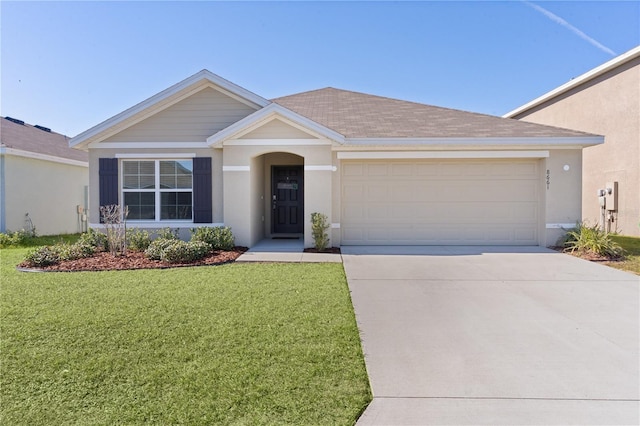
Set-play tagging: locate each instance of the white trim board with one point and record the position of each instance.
(276, 142)
(43, 157)
(158, 156)
(149, 145)
(159, 224)
(320, 168)
(412, 155)
(584, 78)
(561, 225)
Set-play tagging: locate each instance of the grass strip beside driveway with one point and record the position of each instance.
(239, 343)
(631, 246)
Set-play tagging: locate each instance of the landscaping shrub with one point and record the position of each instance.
(219, 237)
(182, 252)
(95, 239)
(590, 240)
(51, 255)
(138, 239)
(74, 251)
(156, 248)
(319, 228)
(168, 234)
(42, 256)
(15, 238)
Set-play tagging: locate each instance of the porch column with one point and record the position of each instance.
(317, 198)
(237, 209)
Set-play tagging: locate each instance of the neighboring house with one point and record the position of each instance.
(42, 180)
(386, 172)
(606, 101)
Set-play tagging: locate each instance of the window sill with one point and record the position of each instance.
(160, 224)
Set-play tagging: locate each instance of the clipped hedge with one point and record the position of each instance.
(156, 248)
(183, 252)
(218, 237)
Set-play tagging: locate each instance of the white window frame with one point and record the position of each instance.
(157, 190)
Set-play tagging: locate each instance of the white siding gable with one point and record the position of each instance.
(193, 119)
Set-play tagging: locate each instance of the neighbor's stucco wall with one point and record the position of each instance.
(50, 192)
(608, 105)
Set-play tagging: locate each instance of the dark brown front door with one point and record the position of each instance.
(287, 199)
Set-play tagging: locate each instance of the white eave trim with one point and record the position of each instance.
(44, 157)
(560, 142)
(218, 139)
(413, 155)
(606, 67)
(203, 77)
(148, 145)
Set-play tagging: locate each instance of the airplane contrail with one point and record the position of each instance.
(555, 18)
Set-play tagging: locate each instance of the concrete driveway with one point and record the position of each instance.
(486, 335)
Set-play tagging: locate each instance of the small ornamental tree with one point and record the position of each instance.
(115, 222)
(319, 228)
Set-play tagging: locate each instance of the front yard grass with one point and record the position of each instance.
(631, 246)
(233, 344)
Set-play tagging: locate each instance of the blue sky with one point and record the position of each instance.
(72, 65)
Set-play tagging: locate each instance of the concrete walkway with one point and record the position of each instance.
(486, 335)
(285, 250)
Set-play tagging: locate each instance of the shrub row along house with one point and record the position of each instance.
(207, 152)
(43, 182)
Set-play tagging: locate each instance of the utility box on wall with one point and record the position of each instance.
(611, 194)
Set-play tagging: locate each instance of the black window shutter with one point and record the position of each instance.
(202, 201)
(108, 172)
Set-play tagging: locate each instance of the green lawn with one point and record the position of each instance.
(631, 246)
(232, 344)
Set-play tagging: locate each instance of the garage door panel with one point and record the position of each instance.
(440, 202)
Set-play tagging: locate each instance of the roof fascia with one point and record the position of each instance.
(218, 139)
(589, 75)
(199, 80)
(558, 142)
(43, 157)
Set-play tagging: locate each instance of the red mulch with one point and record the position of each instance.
(104, 261)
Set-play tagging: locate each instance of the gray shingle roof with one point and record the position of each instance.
(31, 139)
(359, 115)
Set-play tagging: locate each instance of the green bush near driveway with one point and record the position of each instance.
(234, 344)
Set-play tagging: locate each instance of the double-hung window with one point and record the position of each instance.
(157, 190)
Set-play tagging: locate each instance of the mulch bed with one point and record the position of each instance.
(104, 261)
(333, 250)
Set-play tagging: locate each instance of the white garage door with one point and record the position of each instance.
(440, 202)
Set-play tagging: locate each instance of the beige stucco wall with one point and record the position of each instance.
(50, 192)
(562, 194)
(608, 105)
(247, 180)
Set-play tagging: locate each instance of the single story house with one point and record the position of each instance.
(606, 101)
(43, 183)
(207, 152)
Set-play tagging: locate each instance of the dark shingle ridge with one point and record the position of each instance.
(361, 115)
